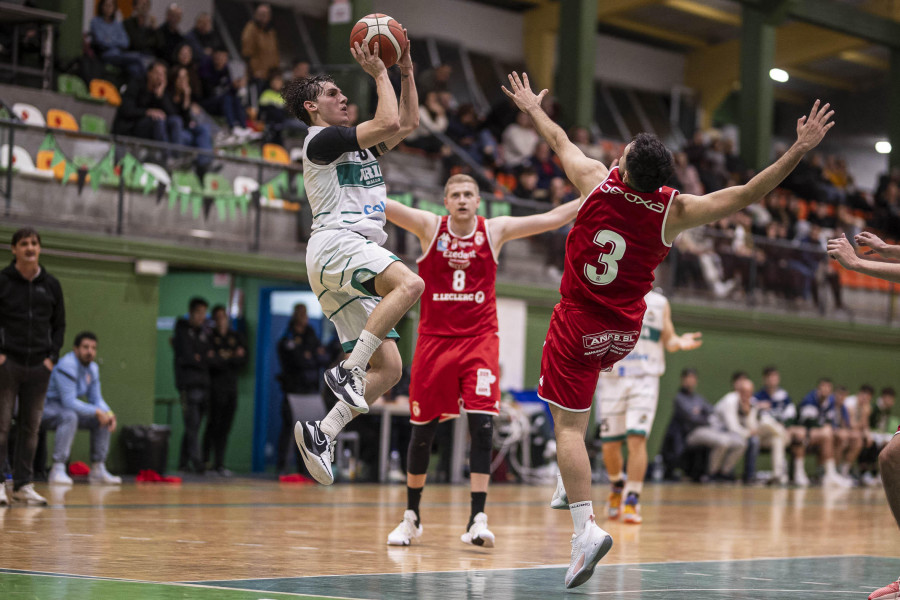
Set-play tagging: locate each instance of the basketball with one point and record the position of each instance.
(383, 29)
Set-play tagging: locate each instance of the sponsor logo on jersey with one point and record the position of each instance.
(460, 259)
(374, 208)
(416, 409)
(477, 297)
(443, 242)
(483, 383)
(656, 207)
(352, 174)
(620, 342)
(479, 238)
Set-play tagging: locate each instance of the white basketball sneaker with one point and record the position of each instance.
(349, 386)
(99, 475)
(27, 495)
(406, 532)
(4, 500)
(588, 547)
(559, 501)
(316, 449)
(58, 475)
(479, 534)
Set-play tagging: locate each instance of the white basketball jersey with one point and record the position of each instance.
(648, 356)
(348, 193)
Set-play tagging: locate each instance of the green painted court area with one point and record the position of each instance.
(763, 579)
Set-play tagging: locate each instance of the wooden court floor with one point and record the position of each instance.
(252, 539)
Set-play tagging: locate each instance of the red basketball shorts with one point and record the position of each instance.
(579, 345)
(451, 371)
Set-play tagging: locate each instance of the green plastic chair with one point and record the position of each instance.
(220, 189)
(72, 85)
(499, 209)
(94, 124)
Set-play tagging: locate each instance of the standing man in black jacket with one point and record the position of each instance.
(229, 355)
(32, 326)
(301, 356)
(193, 353)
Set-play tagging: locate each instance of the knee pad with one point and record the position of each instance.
(481, 428)
(419, 453)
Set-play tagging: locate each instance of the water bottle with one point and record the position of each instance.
(658, 469)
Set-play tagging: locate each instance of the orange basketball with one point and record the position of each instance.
(383, 29)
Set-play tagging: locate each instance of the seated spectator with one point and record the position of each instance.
(169, 34)
(272, 113)
(686, 173)
(184, 57)
(859, 407)
(696, 419)
(465, 129)
(74, 402)
(874, 417)
(146, 111)
(259, 44)
(187, 131)
(432, 119)
(519, 141)
(203, 38)
(141, 30)
(777, 415)
(435, 80)
(527, 185)
(818, 417)
(300, 69)
(219, 96)
(110, 41)
(740, 416)
(581, 137)
(848, 439)
(545, 165)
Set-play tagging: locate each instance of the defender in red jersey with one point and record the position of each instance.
(622, 232)
(456, 361)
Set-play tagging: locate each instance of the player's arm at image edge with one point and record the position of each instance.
(504, 229)
(420, 223)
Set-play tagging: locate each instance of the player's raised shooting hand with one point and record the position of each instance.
(369, 61)
(812, 128)
(405, 62)
(842, 251)
(521, 92)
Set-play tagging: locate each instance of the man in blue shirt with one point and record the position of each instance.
(819, 415)
(74, 402)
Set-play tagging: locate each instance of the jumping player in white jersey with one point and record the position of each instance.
(627, 398)
(457, 352)
(363, 288)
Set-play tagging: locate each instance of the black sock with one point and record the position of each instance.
(413, 497)
(618, 486)
(478, 500)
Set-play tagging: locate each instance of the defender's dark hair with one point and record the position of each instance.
(24, 233)
(217, 308)
(84, 335)
(298, 91)
(196, 302)
(649, 164)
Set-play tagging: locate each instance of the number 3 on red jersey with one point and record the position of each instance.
(614, 246)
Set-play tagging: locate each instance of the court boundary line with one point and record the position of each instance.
(5, 571)
(565, 565)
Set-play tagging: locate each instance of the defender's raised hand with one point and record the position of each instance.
(812, 128)
(521, 92)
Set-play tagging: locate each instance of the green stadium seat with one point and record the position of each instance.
(72, 85)
(432, 207)
(499, 209)
(94, 124)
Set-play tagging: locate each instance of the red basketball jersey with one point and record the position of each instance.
(614, 247)
(459, 273)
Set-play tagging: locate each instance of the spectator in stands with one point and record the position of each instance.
(229, 356)
(203, 38)
(819, 417)
(146, 110)
(695, 417)
(686, 173)
(848, 438)
(74, 402)
(302, 357)
(141, 30)
(300, 69)
(220, 96)
(777, 414)
(259, 44)
(465, 129)
(169, 33)
(435, 80)
(880, 431)
(859, 407)
(527, 186)
(110, 41)
(33, 321)
(432, 119)
(581, 137)
(546, 165)
(736, 411)
(193, 352)
(184, 57)
(187, 131)
(272, 113)
(519, 141)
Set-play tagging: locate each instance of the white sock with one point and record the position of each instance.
(799, 466)
(365, 347)
(336, 420)
(633, 486)
(845, 469)
(581, 513)
(829, 467)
